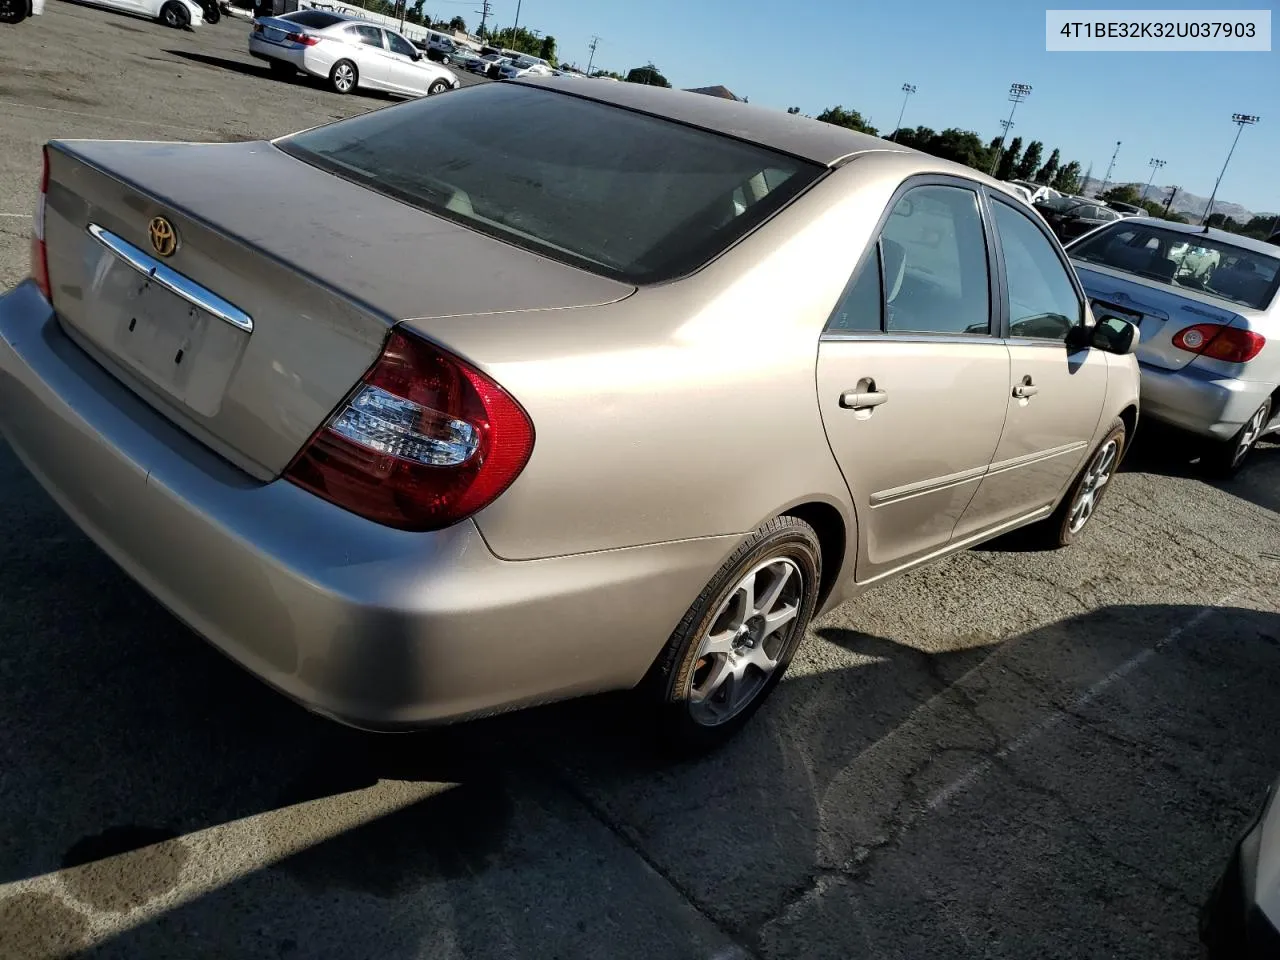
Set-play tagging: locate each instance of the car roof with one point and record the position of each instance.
(1213, 233)
(809, 139)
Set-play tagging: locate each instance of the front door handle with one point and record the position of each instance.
(1026, 389)
(863, 399)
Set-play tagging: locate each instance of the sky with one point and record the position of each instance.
(962, 57)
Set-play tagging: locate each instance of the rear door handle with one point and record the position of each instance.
(1026, 389)
(863, 400)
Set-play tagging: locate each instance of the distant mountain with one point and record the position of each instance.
(1184, 203)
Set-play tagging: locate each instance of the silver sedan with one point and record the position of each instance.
(1208, 305)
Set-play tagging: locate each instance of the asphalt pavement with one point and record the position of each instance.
(1009, 755)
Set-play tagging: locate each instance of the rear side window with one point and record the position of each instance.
(316, 19)
(627, 195)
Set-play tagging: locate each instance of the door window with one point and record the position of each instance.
(370, 36)
(400, 45)
(1043, 303)
(934, 263)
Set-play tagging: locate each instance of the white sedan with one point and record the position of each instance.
(348, 52)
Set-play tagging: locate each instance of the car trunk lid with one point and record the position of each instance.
(280, 289)
(1160, 311)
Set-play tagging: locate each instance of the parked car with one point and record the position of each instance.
(483, 64)
(1128, 209)
(180, 14)
(15, 11)
(1240, 920)
(1038, 191)
(481, 401)
(1206, 304)
(348, 52)
(524, 68)
(1070, 217)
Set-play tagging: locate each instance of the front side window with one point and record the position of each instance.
(1194, 261)
(400, 45)
(934, 263)
(1043, 303)
(370, 36)
(631, 196)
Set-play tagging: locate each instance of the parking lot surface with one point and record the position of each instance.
(1010, 754)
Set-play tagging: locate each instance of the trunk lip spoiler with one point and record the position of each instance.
(172, 280)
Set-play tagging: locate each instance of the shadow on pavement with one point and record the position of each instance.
(847, 817)
(259, 69)
(1166, 453)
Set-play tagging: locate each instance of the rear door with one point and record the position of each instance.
(1056, 392)
(912, 376)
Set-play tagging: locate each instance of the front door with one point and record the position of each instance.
(1056, 392)
(912, 376)
(403, 73)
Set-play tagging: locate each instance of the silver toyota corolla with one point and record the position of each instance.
(535, 390)
(1207, 305)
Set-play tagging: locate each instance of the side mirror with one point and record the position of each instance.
(1115, 335)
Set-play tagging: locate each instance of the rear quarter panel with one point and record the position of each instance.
(689, 409)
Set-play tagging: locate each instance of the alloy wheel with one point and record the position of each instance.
(1249, 434)
(344, 77)
(742, 648)
(1097, 476)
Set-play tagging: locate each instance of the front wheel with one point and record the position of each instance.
(343, 77)
(1064, 526)
(438, 86)
(1223, 460)
(175, 15)
(736, 641)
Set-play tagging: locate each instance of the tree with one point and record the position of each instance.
(1067, 179)
(648, 75)
(851, 119)
(1122, 193)
(548, 50)
(458, 24)
(1009, 159)
(961, 146)
(1030, 161)
(917, 138)
(1046, 173)
(793, 110)
(597, 72)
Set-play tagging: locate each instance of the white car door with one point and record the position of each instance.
(369, 54)
(404, 73)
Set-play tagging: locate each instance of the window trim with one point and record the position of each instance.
(996, 317)
(1082, 298)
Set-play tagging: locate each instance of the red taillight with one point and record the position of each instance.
(423, 442)
(306, 39)
(1220, 342)
(40, 255)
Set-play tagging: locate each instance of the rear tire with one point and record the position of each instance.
(175, 15)
(737, 639)
(1066, 524)
(1224, 460)
(344, 77)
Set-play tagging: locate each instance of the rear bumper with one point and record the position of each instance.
(305, 59)
(374, 627)
(1233, 924)
(1199, 401)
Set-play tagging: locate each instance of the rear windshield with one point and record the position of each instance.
(316, 19)
(1189, 260)
(624, 194)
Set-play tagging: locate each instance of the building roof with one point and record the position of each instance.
(799, 136)
(723, 92)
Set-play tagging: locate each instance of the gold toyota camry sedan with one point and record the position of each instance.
(543, 388)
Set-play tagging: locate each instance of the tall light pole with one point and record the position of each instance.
(1155, 165)
(907, 90)
(1241, 120)
(1017, 93)
(516, 26)
(1111, 166)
